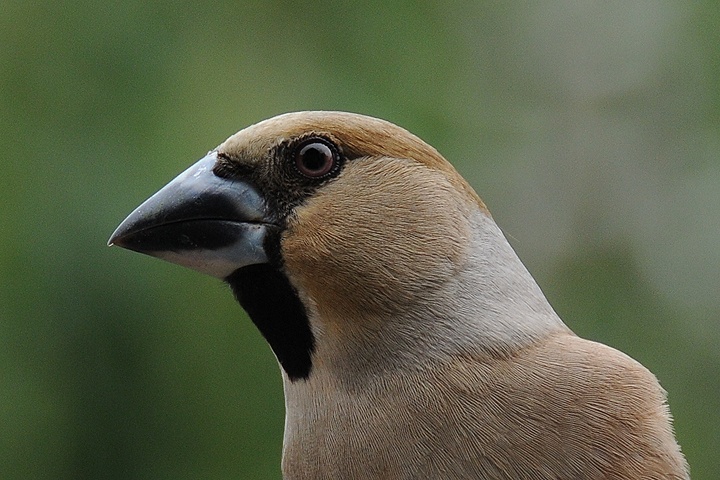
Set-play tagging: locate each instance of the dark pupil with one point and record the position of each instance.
(314, 159)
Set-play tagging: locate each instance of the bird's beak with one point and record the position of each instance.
(211, 224)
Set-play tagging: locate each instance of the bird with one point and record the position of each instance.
(411, 339)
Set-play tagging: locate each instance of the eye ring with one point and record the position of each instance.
(315, 158)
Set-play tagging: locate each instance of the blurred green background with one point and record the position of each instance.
(591, 129)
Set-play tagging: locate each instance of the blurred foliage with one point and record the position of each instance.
(591, 129)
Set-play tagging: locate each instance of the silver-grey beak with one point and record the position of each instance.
(211, 224)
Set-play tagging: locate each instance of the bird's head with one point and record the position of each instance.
(323, 223)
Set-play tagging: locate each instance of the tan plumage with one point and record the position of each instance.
(414, 344)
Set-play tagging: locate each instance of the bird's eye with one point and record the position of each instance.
(315, 158)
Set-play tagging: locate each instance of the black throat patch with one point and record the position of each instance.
(274, 307)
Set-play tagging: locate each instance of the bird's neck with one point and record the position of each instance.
(496, 300)
(490, 307)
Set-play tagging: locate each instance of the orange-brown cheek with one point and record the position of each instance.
(370, 245)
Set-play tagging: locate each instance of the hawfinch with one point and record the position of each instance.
(412, 341)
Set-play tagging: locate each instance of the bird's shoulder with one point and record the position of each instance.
(583, 403)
